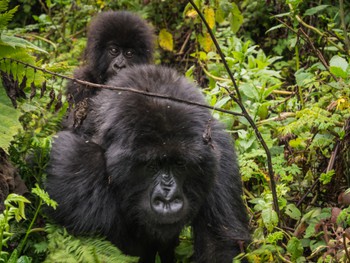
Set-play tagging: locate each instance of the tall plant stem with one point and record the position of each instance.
(238, 100)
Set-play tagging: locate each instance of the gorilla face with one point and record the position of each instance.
(162, 167)
(117, 40)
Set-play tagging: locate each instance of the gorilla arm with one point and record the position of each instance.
(77, 180)
(220, 230)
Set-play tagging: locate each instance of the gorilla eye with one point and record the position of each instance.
(180, 163)
(114, 51)
(129, 53)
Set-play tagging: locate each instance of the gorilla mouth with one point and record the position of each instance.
(118, 69)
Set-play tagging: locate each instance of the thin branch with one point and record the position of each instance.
(127, 89)
(244, 111)
(318, 53)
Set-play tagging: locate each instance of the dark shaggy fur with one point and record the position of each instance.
(112, 28)
(151, 167)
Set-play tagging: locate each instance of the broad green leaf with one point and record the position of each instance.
(209, 16)
(314, 10)
(18, 42)
(338, 67)
(9, 123)
(295, 248)
(270, 218)
(236, 18)
(302, 78)
(338, 72)
(166, 40)
(293, 212)
(250, 91)
(340, 62)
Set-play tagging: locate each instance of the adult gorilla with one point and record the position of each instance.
(151, 167)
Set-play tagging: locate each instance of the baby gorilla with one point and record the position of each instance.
(115, 40)
(152, 166)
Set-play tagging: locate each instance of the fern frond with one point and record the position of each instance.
(64, 248)
(4, 5)
(6, 17)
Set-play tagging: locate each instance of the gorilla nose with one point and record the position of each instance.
(166, 206)
(118, 66)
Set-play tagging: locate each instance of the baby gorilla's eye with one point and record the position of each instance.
(129, 53)
(114, 51)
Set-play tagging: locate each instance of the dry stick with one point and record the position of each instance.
(245, 113)
(145, 93)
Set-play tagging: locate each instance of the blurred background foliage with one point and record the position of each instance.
(290, 59)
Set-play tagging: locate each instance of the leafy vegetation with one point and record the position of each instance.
(290, 62)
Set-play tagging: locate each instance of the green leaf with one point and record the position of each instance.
(184, 250)
(270, 218)
(338, 66)
(44, 196)
(236, 18)
(295, 248)
(302, 78)
(166, 40)
(18, 42)
(9, 123)
(6, 17)
(338, 72)
(326, 178)
(340, 62)
(293, 212)
(275, 27)
(314, 10)
(24, 259)
(275, 237)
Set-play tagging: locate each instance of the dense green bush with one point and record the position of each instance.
(290, 63)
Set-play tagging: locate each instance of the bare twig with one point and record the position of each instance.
(238, 100)
(127, 89)
(318, 54)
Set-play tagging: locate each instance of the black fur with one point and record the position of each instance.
(150, 167)
(119, 28)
